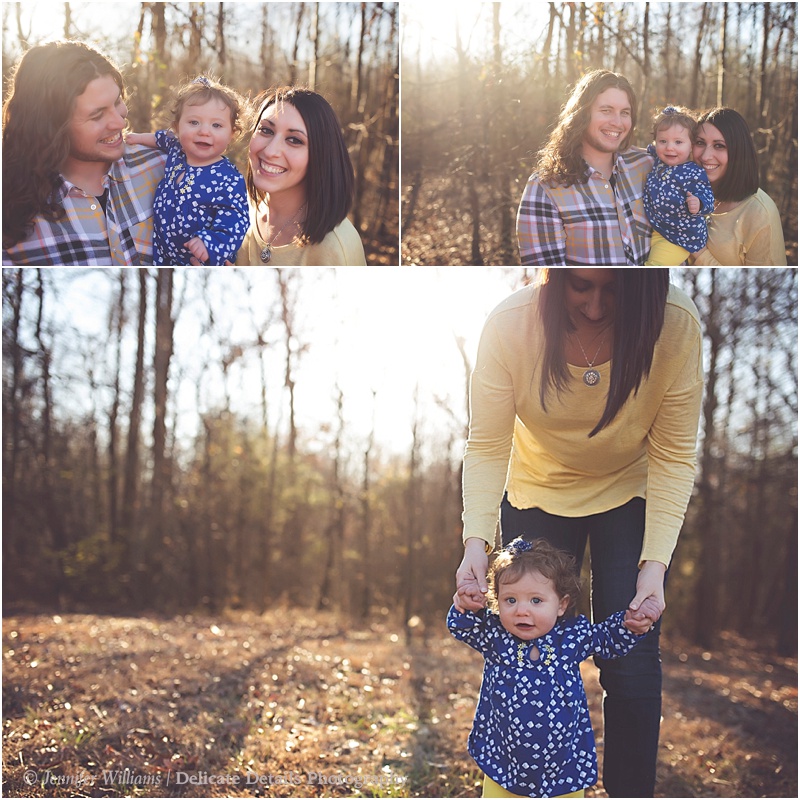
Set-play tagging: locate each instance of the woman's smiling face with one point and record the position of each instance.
(279, 149)
(710, 151)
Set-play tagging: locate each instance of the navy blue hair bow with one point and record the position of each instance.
(518, 545)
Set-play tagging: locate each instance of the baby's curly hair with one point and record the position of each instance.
(204, 88)
(675, 115)
(550, 562)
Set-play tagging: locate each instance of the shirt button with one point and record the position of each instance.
(606, 186)
(94, 207)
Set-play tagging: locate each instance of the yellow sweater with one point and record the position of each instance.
(546, 460)
(341, 247)
(748, 234)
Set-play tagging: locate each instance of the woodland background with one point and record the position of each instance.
(346, 51)
(482, 89)
(107, 508)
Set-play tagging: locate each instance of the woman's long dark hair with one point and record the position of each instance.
(330, 179)
(641, 297)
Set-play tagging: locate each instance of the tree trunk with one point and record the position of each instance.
(723, 43)
(113, 430)
(506, 251)
(161, 465)
(293, 65)
(222, 51)
(695, 95)
(52, 508)
(314, 65)
(706, 603)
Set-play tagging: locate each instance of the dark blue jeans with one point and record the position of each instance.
(632, 684)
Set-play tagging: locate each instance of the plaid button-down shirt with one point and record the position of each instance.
(600, 222)
(123, 236)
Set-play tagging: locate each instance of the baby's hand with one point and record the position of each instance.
(692, 203)
(196, 247)
(641, 620)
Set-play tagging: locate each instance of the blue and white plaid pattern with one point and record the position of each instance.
(123, 236)
(601, 222)
(532, 733)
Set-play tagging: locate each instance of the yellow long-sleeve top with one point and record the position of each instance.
(545, 459)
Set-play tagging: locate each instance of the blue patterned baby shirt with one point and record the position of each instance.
(665, 202)
(532, 733)
(208, 202)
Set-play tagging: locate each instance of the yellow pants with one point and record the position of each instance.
(664, 253)
(492, 789)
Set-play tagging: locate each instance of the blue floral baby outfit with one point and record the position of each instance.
(665, 202)
(532, 733)
(208, 202)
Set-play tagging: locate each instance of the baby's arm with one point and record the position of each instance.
(229, 225)
(147, 139)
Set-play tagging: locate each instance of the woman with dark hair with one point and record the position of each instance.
(745, 227)
(584, 405)
(300, 185)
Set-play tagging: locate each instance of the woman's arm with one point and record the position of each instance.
(671, 454)
(767, 246)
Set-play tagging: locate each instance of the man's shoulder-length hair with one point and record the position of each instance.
(560, 160)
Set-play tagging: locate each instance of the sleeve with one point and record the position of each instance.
(491, 431)
(472, 628)
(230, 222)
(166, 141)
(703, 258)
(695, 180)
(672, 455)
(607, 639)
(541, 236)
(766, 245)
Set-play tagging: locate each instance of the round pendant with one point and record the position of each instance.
(591, 377)
(266, 254)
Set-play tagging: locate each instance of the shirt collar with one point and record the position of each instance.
(618, 165)
(118, 173)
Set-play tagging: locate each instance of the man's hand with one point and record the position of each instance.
(692, 203)
(196, 247)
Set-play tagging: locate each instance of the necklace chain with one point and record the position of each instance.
(591, 377)
(266, 251)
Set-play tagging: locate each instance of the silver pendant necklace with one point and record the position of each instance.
(591, 377)
(266, 251)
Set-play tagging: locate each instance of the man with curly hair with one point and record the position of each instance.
(73, 192)
(584, 203)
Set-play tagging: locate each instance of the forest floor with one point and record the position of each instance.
(294, 704)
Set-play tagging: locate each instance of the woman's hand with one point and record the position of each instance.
(648, 605)
(471, 586)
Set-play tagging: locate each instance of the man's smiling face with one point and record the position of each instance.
(610, 121)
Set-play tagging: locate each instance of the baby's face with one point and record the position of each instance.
(674, 145)
(530, 607)
(205, 131)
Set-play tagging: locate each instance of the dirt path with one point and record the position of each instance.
(298, 705)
